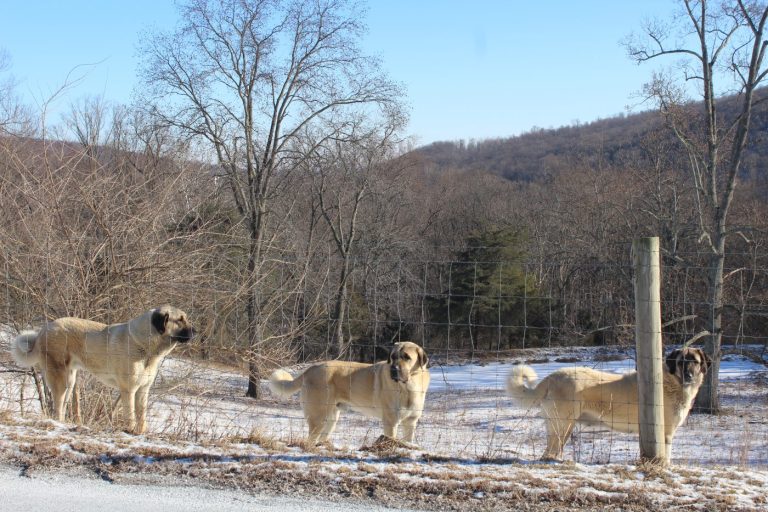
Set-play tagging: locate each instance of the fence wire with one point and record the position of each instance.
(476, 320)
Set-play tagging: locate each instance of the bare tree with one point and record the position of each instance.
(346, 174)
(248, 77)
(15, 118)
(87, 122)
(719, 43)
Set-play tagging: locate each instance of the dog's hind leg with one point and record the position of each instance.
(557, 436)
(322, 426)
(72, 397)
(57, 380)
(560, 425)
(329, 425)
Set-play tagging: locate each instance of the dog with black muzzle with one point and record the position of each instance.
(393, 391)
(125, 356)
(584, 395)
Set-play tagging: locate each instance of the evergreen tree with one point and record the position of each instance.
(490, 299)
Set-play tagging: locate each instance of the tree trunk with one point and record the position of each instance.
(254, 377)
(340, 345)
(252, 310)
(708, 399)
(254, 372)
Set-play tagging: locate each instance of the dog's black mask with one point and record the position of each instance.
(184, 335)
(159, 322)
(688, 364)
(394, 368)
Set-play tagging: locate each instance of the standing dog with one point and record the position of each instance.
(585, 395)
(393, 391)
(123, 356)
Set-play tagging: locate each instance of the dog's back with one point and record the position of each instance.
(577, 393)
(319, 377)
(64, 342)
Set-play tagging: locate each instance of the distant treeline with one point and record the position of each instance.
(616, 142)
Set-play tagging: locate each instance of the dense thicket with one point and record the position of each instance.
(460, 260)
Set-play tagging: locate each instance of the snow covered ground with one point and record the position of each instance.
(477, 449)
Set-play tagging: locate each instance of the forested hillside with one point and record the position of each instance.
(615, 142)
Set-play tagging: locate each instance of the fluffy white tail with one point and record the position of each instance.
(283, 384)
(23, 349)
(518, 382)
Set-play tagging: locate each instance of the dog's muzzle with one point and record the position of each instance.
(184, 335)
(397, 376)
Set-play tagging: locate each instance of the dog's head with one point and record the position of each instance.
(172, 323)
(404, 359)
(689, 365)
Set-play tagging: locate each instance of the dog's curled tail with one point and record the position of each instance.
(283, 384)
(23, 349)
(520, 392)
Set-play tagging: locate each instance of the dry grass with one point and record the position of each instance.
(482, 471)
(387, 472)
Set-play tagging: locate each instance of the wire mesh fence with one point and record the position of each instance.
(476, 318)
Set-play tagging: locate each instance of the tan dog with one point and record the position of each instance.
(123, 356)
(589, 396)
(393, 391)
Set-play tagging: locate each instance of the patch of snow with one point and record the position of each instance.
(470, 433)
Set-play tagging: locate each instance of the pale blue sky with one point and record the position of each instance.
(472, 68)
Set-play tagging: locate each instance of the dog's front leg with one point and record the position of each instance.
(141, 409)
(128, 401)
(391, 422)
(409, 428)
(668, 448)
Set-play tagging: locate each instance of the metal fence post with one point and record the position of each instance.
(645, 256)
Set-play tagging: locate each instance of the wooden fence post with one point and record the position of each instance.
(645, 256)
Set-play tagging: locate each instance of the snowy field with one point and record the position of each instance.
(476, 448)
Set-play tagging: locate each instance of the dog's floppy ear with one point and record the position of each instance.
(423, 359)
(159, 320)
(705, 359)
(672, 361)
(389, 355)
